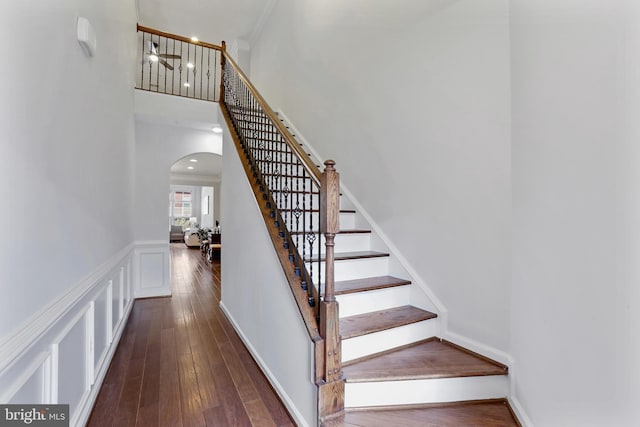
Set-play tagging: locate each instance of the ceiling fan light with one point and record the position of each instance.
(153, 57)
(189, 65)
(187, 84)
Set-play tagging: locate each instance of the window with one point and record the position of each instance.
(182, 204)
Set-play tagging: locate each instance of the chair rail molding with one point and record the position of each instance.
(62, 352)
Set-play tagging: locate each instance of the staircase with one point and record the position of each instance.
(397, 371)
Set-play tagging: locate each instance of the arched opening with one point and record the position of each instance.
(195, 182)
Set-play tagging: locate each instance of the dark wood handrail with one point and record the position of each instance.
(327, 341)
(311, 168)
(177, 37)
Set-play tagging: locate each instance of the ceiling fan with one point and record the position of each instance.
(154, 56)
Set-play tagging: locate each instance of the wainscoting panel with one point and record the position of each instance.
(101, 334)
(63, 352)
(116, 296)
(71, 369)
(151, 269)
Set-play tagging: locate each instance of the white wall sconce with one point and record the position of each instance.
(86, 36)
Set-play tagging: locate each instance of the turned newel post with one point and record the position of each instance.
(331, 389)
(222, 62)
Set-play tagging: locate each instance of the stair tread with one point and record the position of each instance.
(376, 321)
(342, 256)
(427, 359)
(368, 284)
(477, 413)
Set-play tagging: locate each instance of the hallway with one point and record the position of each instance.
(180, 362)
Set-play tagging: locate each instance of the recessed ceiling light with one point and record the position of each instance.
(186, 84)
(189, 65)
(194, 39)
(190, 167)
(217, 129)
(193, 160)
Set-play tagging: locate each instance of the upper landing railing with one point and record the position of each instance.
(299, 203)
(177, 65)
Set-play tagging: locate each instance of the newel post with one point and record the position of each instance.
(222, 63)
(331, 385)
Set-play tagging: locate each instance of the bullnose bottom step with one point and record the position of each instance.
(479, 413)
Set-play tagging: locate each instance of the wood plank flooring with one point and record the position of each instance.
(180, 362)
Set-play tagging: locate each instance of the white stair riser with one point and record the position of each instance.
(365, 345)
(303, 201)
(425, 391)
(350, 242)
(347, 220)
(379, 299)
(358, 268)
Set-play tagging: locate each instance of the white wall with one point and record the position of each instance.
(206, 205)
(575, 299)
(412, 100)
(161, 140)
(67, 140)
(258, 300)
(66, 131)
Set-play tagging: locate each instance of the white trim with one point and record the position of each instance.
(53, 379)
(485, 350)
(145, 249)
(14, 345)
(89, 337)
(10, 390)
(262, 21)
(86, 406)
(437, 390)
(520, 413)
(109, 320)
(293, 410)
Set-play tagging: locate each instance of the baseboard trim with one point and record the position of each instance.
(520, 413)
(297, 416)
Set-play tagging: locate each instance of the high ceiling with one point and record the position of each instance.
(209, 20)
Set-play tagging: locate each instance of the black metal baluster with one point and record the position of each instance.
(201, 68)
(142, 63)
(180, 70)
(208, 71)
(305, 284)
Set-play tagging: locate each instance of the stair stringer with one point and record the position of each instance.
(421, 294)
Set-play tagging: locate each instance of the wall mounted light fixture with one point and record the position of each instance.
(86, 36)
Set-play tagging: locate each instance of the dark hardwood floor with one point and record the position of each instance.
(180, 363)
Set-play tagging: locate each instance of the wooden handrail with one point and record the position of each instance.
(308, 165)
(176, 37)
(327, 344)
